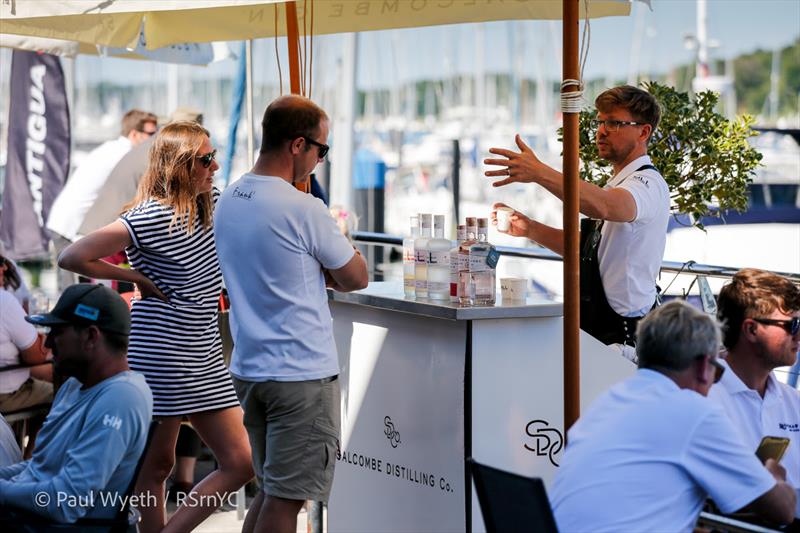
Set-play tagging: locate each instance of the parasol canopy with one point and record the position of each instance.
(117, 23)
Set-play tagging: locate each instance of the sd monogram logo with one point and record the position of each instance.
(547, 441)
(392, 434)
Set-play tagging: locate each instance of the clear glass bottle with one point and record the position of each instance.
(481, 275)
(421, 256)
(463, 260)
(409, 259)
(439, 263)
(461, 236)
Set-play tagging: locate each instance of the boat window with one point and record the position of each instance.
(783, 194)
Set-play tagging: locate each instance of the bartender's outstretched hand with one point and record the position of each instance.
(520, 167)
(518, 223)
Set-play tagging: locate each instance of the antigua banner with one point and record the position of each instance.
(38, 152)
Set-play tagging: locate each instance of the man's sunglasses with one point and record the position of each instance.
(791, 326)
(323, 148)
(208, 158)
(719, 368)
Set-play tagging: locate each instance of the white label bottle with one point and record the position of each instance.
(409, 259)
(421, 256)
(481, 275)
(439, 264)
(463, 261)
(461, 236)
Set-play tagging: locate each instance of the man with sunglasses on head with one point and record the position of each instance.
(278, 249)
(647, 452)
(80, 191)
(120, 187)
(623, 238)
(761, 315)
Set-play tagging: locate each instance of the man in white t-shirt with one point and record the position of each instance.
(278, 249)
(761, 314)
(623, 240)
(20, 345)
(79, 192)
(646, 453)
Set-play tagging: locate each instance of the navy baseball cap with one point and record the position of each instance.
(86, 304)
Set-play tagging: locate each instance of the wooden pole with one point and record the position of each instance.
(572, 400)
(293, 44)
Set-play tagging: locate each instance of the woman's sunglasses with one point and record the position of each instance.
(208, 158)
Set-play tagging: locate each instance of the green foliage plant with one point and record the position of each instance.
(704, 157)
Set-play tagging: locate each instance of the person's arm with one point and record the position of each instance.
(21, 333)
(85, 257)
(36, 353)
(522, 226)
(352, 276)
(91, 460)
(615, 205)
(7, 472)
(778, 504)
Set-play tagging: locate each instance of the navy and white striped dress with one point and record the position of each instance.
(176, 345)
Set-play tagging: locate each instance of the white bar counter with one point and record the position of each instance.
(426, 385)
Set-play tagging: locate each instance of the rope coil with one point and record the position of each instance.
(572, 101)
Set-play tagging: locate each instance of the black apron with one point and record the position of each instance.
(598, 318)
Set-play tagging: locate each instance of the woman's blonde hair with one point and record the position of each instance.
(168, 178)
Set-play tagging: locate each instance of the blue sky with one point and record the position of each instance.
(387, 58)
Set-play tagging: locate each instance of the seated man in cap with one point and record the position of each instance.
(91, 441)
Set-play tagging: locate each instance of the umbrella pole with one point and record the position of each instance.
(571, 232)
(293, 44)
(249, 98)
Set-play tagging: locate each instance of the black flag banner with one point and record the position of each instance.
(38, 152)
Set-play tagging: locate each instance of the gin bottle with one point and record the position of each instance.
(481, 275)
(439, 263)
(461, 236)
(463, 260)
(409, 259)
(421, 256)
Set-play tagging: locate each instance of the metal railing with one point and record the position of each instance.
(689, 267)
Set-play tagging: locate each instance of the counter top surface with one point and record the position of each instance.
(389, 295)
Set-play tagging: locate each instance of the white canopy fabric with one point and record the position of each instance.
(165, 22)
(185, 54)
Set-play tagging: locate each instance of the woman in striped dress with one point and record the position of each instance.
(169, 238)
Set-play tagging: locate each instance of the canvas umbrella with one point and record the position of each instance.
(164, 22)
(186, 54)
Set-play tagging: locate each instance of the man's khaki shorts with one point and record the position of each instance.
(31, 392)
(293, 428)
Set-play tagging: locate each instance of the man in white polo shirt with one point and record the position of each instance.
(623, 238)
(646, 454)
(278, 249)
(761, 313)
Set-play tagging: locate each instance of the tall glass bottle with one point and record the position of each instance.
(481, 275)
(439, 263)
(461, 236)
(421, 255)
(463, 260)
(409, 259)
